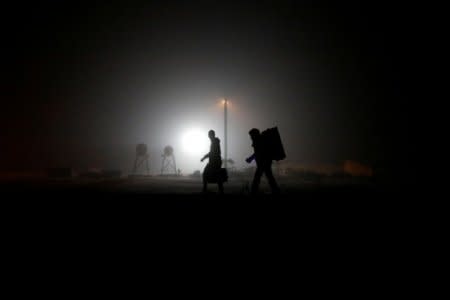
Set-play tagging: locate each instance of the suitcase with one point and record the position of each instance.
(219, 174)
(272, 140)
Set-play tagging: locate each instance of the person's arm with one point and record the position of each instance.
(250, 158)
(205, 157)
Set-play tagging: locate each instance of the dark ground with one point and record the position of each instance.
(144, 199)
(351, 236)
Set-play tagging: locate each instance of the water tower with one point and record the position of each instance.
(168, 165)
(141, 158)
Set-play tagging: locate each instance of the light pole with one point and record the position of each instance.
(225, 112)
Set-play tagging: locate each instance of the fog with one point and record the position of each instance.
(88, 83)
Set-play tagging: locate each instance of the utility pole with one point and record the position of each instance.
(225, 129)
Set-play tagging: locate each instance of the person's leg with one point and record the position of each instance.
(220, 183)
(205, 184)
(214, 169)
(256, 180)
(273, 184)
(205, 180)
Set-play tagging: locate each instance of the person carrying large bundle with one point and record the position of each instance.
(267, 147)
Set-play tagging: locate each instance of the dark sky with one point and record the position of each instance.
(85, 82)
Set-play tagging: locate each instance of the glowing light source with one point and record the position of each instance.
(223, 101)
(195, 142)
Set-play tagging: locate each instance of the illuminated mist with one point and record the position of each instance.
(88, 82)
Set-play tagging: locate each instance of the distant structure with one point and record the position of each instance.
(141, 157)
(168, 165)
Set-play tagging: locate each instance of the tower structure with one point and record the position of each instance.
(141, 158)
(168, 164)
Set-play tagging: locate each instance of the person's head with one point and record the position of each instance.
(211, 134)
(254, 133)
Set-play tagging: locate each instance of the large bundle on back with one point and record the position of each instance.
(272, 140)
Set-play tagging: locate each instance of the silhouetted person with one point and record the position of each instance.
(215, 162)
(263, 162)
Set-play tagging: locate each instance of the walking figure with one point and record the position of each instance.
(211, 173)
(263, 158)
